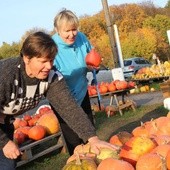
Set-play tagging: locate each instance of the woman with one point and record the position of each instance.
(73, 47)
(24, 82)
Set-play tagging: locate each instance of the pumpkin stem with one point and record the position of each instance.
(78, 162)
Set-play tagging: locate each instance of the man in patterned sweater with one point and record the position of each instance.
(24, 81)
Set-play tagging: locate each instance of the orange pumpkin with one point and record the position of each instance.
(16, 123)
(161, 150)
(24, 130)
(111, 87)
(161, 139)
(114, 164)
(150, 161)
(50, 122)
(121, 85)
(140, 131)
(93, 58)
(23, 123)
(19, 137)
(36, 132)
(115, 141)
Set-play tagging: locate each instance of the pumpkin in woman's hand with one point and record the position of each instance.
(93, 58)
(36, 132)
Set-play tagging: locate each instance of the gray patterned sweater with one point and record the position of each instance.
(20, 93)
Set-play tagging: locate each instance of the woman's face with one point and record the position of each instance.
(68, 32)
(38, 67)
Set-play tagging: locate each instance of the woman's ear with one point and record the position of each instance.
(26, 59)
(56, 30)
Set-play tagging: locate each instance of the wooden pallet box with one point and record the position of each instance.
(35, 149)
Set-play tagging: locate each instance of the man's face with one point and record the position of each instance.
(38, 67)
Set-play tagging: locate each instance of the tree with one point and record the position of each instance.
(160, 23)
(141, 43)
(8, 50)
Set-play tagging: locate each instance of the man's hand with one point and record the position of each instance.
(11, 150)
(96, 144)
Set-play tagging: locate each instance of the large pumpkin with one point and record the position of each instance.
(136, 147)
(93, 58)
(114, 164)
(50, 122)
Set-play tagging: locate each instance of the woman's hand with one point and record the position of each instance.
(91, 68)
(96, 144)
(11, 150)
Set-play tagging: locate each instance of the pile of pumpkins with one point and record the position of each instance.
(147, 147)
(105, 87)
(144, 88)
(35, 127)
(155, 71)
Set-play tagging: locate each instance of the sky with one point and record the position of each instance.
(19, 16)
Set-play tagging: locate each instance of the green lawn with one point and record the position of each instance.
(105, 128)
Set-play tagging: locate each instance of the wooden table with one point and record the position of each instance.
(114, 95)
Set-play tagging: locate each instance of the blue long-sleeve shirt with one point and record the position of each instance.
(70, 61)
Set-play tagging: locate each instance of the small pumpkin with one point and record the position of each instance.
(93, 58)
(36, 132)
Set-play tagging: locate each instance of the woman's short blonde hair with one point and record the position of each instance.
(65, 16)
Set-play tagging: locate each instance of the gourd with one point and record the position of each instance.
(80, 164)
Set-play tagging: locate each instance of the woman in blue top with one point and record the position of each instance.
(73, 47)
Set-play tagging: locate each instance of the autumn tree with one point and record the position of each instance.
(141, 43)
(160, 23)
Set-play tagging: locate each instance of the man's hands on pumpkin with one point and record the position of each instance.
(96, 144)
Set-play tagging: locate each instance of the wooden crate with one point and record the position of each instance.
(32, 150)
(165, 88)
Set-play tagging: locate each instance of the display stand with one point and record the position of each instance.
(114, 97)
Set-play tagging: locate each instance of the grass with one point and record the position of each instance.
(106, 127)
